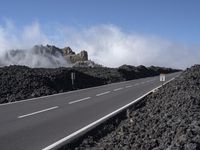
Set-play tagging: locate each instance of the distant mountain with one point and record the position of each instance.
(48, 56)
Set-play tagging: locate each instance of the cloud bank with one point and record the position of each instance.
(24, 39)
(106, 44)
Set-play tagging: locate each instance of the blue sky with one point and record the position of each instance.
(169, 21)
(172, 19)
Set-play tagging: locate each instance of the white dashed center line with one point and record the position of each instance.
(37, 112)
(128, 86)
(83, 99)
(117, 89)
(103, 93)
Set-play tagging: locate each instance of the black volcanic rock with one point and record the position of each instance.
(131, 72)
(20, 82)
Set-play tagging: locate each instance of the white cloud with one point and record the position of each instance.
(106, 44)
(33, 35)
(26, 38)
(110, 46)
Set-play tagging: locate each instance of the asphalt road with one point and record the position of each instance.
(38, 123)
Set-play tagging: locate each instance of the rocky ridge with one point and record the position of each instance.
(48, 56)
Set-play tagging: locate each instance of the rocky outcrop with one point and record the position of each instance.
(48, 56)
(66, 52)
(80, 57)
(48, 49)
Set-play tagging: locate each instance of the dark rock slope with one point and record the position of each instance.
(125, 72)
(167, 119)
(20, 82)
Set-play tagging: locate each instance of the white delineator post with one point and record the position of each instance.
(73, 78)
(162, 78)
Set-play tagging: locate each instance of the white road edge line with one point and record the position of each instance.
(37, 112)
(128, 86)
(76, 101)
(52, 146)
(103, 93)
(117, 89)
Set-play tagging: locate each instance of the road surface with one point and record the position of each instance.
(38, 123)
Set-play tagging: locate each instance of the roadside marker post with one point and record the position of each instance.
(73, 78)
(162, 78)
